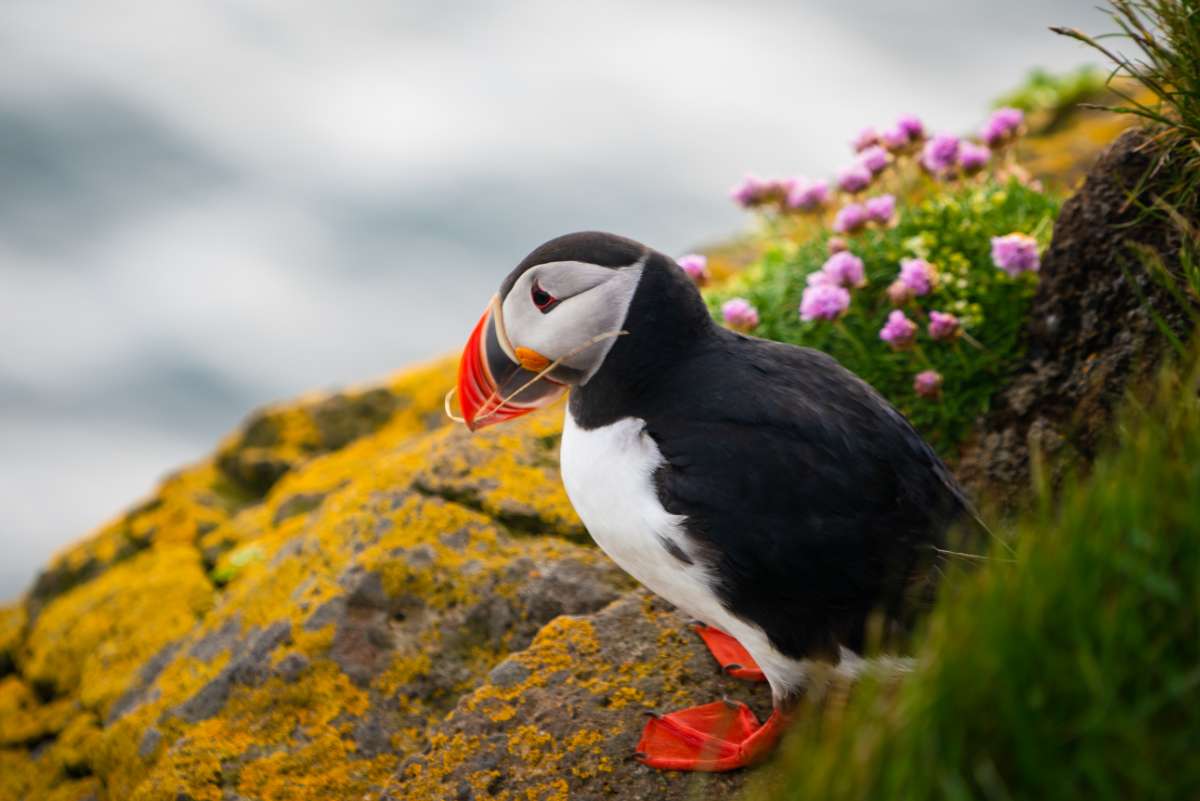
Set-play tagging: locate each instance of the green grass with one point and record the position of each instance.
(951, 228)
(1068, 668)
(1157, 46)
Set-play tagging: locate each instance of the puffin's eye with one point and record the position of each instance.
(543, 299)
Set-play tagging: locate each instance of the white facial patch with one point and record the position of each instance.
(591, 301)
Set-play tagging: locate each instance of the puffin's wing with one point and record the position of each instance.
(815, 501)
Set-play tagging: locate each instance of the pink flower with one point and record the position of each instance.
(894, 139)
(912, 126)
(874, 158)
(1002, 126)
(940, 154)
(972, 157)
(740, 314)
(881, 209)
(898, 331)
(823, 301)
(899, 293)
(866, 137)
(836, 245)
(850, 218)
(854, 178)
(845, 269)
(928, 384)
(754, 191)
(696, 266)
(917, 276)
(943, 326)
(750, 192)
(808, 195)
(1015, 254)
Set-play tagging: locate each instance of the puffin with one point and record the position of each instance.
(763, 489)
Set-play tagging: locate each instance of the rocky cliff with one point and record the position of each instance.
(350, 599)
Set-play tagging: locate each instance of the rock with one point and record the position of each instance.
(562, 718)
(1090, 333)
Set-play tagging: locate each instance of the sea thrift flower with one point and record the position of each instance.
(894, 139)
(943, 326)
(940, 154)
(696, 266)
(845, 269)
(1001, 126)
(972, 157)
(850, 218)
(928, 384)
(854, 178)
(752, 191)
(881, 209)
(874, 158)
(823, 301)
(899, 293)
(836, 245)
(1015, 254)
(911, 125)
(820, 278)
(916, 275)
(898, 331)
(739, 314)
(808, 195)
(865, 139)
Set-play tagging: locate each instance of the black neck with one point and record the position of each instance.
(667, 321)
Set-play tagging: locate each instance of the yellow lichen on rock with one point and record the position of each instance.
(92, 639)
(294, 633)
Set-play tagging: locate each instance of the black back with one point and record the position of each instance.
(814, 502)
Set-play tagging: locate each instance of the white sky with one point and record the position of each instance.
(206, 205)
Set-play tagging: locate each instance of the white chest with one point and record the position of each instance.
(609, 476)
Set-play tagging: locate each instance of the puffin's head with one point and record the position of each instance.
(550, 326)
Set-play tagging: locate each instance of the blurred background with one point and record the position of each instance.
(206, 205)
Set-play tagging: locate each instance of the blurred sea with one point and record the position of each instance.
(206, 205)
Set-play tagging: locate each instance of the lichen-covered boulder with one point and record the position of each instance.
(350, 599)
(561, 719)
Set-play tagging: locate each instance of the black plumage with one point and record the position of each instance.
(813, 501)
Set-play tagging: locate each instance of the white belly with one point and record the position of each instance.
(609, 476)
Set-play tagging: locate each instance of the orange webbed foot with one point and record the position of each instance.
(714, 737)
(729, 653)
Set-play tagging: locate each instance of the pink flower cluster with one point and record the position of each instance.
(696, 266)
(827, 295)
(797, 193)
(853, 217)
(899, 331)
(1002, 126)
(1016, 253)
(740, 314)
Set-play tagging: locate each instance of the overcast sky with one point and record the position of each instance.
(207, 205)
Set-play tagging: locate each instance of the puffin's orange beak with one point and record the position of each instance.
(494, 386)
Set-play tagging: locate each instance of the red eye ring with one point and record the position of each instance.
(542, 299)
